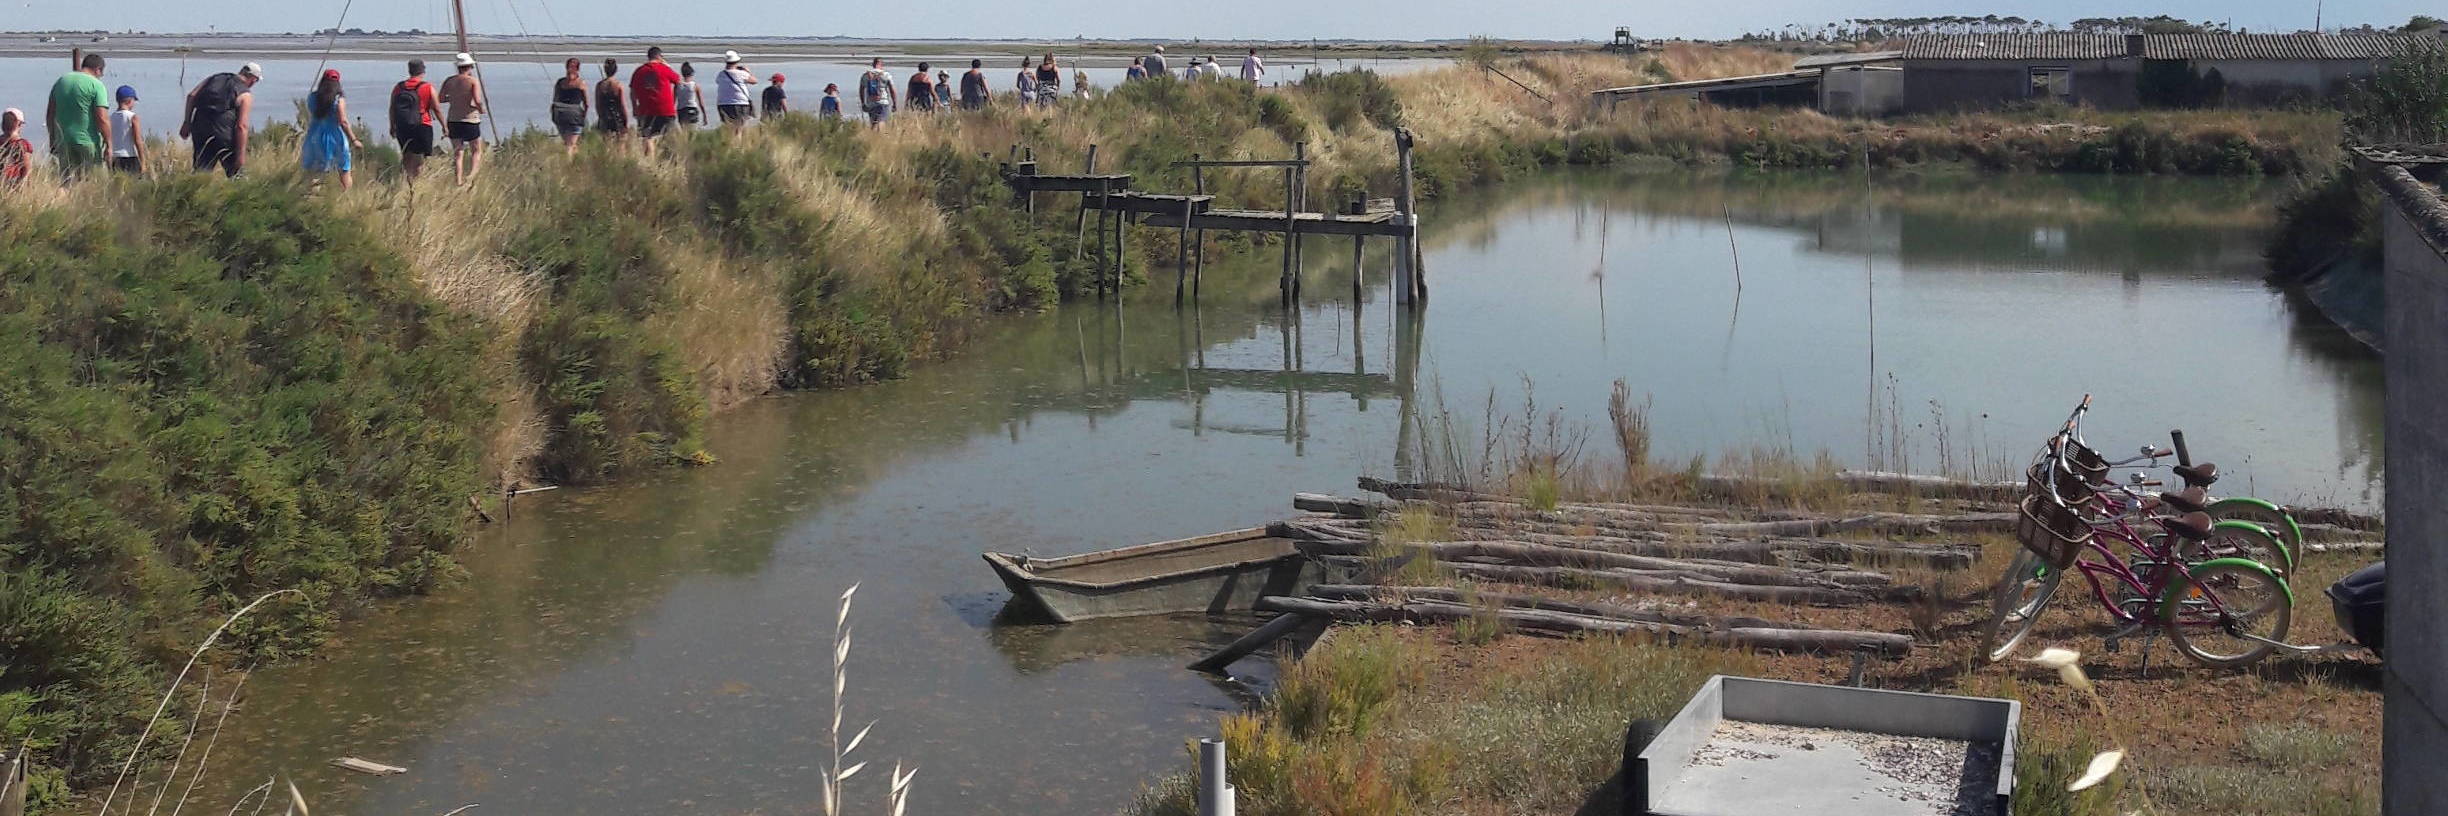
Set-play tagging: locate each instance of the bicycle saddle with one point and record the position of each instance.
(2194, 526)
(2188, 500)
(2201, 475)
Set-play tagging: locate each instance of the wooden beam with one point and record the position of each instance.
(1194, 162)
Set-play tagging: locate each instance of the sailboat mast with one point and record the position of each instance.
(459, 21)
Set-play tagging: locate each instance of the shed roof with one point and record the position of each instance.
(2280, 46)
(2064, 45)
(2067, 45)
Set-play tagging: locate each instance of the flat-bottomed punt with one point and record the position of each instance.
(1211, 573)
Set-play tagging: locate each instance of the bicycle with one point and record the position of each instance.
(2222, 612)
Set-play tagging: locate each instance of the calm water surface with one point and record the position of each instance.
(659, 646)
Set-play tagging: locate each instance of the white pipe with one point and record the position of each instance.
(1215, 792)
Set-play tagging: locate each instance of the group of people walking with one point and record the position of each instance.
(90, 126)
(1152, 66)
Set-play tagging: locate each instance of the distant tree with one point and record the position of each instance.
(2424, 22)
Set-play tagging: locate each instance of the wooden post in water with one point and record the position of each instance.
(1358, 207)
(1408, 283)
(1198, 238)
(1121, 253)
(1300, 199)
(1082, 227)
(76, 59)
(1104, 219)
(1283, 284)
(1181, 254)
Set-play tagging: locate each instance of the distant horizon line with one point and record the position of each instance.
(828, 37)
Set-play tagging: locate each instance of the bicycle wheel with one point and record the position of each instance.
(2278, 522)
(2248, 540)
(2229, 614)
(2016, 604)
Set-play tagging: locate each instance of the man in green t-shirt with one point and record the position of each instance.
(79, 117)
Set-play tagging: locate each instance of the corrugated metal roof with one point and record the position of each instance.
(2066, 45)
(1848, 58)
(2047, 45)
(2280, 46)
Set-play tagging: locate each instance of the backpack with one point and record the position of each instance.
(407, 104)
(216, 106)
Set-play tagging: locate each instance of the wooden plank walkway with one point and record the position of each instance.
(1308, 223)
(1118, 207)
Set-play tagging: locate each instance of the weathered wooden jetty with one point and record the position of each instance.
(1117, 206)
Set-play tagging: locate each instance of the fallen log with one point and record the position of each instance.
(1806, 640)
(2346, 546)
(1881, 523)
(2348, 519)
(1629, 580)
(1359, 592)
(1527, 554)
(1258, 638)
(1341, 506)
(1319, 529)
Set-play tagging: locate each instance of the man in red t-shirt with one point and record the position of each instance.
(652, 87)
(413, 106)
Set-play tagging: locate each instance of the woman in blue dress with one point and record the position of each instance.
(328, 139)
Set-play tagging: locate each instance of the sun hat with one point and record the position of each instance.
(13, 113)
(125, 92)
(250, 69)
(463, 59)
(730, 57)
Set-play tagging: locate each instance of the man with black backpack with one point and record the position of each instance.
(413, 107)
(216, 119)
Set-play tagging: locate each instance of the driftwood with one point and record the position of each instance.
(1359, 592)
(2332, 516)
(1883, 523)
(1523, 553)
(2346, 546)
(1258, 638)
(1342, 506)
(1632, 580)
(1568, 623)
(367, 766)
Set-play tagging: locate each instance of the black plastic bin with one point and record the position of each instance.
(2360, 601)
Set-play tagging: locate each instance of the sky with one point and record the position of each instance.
(1124, 19)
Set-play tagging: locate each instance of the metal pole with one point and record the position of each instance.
(1198, 237)
(1215, 792)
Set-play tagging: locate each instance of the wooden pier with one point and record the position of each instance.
(1191, 215)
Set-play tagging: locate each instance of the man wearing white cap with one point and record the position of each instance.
(215, 121)
(731, 96)
(464, 108)
(1155, 62)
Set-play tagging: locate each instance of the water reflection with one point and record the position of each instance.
(659, 646)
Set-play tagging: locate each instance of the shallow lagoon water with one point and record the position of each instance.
(660, 645)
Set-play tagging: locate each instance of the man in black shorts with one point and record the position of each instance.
(464, 106)
(413, 108)
(216, 119)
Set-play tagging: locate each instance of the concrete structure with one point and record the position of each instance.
(2126, 71)
(2414, 734)
(1690, 768)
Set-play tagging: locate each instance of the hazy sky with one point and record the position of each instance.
(1216, 19)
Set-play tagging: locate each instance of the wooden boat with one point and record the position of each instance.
(1210, 573)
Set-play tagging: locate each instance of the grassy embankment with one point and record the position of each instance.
(227, 387)
(1473, 717)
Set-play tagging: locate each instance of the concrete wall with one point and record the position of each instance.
(2414, 231)
(1947, 85)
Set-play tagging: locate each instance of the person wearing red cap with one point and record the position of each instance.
(328, 141)
(776, 102)
(654, 89)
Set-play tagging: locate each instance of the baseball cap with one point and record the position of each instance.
(13, 113)
(125, 92)
(730, 57)
(777, 79)
(463, 59)
(251, 69)
(331, 73)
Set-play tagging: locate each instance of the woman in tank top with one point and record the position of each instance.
(569, 105)
(612, 105)
(1049, 79)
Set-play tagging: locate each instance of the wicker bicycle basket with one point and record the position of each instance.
(2051, 530)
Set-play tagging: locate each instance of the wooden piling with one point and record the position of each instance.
(1121, 254)
(1181, 254)
(1300, 201)
(1105, 216)
(1082, 227)
(1407, 278)
(1283, 284)
(1198, 238)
